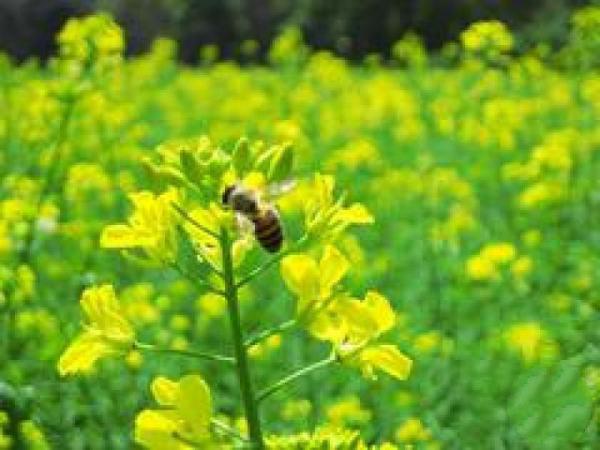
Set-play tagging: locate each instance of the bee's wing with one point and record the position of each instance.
(278, 189)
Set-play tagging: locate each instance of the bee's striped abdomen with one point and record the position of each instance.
(267, 229)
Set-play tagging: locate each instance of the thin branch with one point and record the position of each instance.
(188, 353)
(274, 260)
(228, 430)
(193, 221)
(294, 376)
(261, 335)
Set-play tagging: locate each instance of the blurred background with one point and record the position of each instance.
(352, 28)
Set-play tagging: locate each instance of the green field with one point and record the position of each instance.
(470, 200)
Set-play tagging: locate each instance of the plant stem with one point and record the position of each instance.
(294, 376)
(275, 259)
(248, 399)
(269, 332)
(50, 175)
(190, 353)
(226, 429)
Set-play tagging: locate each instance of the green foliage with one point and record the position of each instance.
(482, 181)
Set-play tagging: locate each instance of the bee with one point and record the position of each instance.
(263, 215)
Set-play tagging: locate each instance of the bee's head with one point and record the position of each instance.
(226, 195)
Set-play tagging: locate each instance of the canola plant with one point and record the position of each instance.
(306, 254)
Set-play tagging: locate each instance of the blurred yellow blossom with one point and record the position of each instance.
(531, 341)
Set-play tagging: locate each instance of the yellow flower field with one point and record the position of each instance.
(304, 254)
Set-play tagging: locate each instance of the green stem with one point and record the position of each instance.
(227, 430)
(269, 332)
(47, 182)
(294, 376)
(189, 353)
(248, 399)
(274, 260)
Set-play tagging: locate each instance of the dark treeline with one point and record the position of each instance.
(353, 28)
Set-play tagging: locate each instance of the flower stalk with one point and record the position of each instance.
(262, 395)
(241, 356)
(182, 352)
(274, 260)
(262, 335)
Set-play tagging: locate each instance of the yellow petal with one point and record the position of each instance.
(356, 213)
(381, 311)
(165, 391)
(81, 355)
(301, 275)
(327, 327)
(388, 359)
(324, 187)
(359, 322)
(194, 404)
(155, 429)
(333, 267)
(123, 236)
(101, 307)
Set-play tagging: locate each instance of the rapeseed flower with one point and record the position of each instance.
(183, 420)
(327, 217)
(151, 227)
(106, 332)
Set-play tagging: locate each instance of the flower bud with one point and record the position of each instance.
(282, 162)
(242, 156)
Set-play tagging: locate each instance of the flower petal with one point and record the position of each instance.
(81, 355)
(195, 405)
(165, 391)
(332, 268)
(356, 213)
(123, 236)
(301, 275)
(380, 310)
(155, 430)
(387, 358)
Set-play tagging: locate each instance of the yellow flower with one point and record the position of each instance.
(412, 430)
(33, 436)
(499, 253)
(351, 325)
(486, 264)
(530, 340)
(313, 282)
(183, 420)
(490, 36)
(522, 266)
(326, 218)
(348, 410)
(480, 269)
(150, 227)
(106, 332)
(96, 38)
(354, 326)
